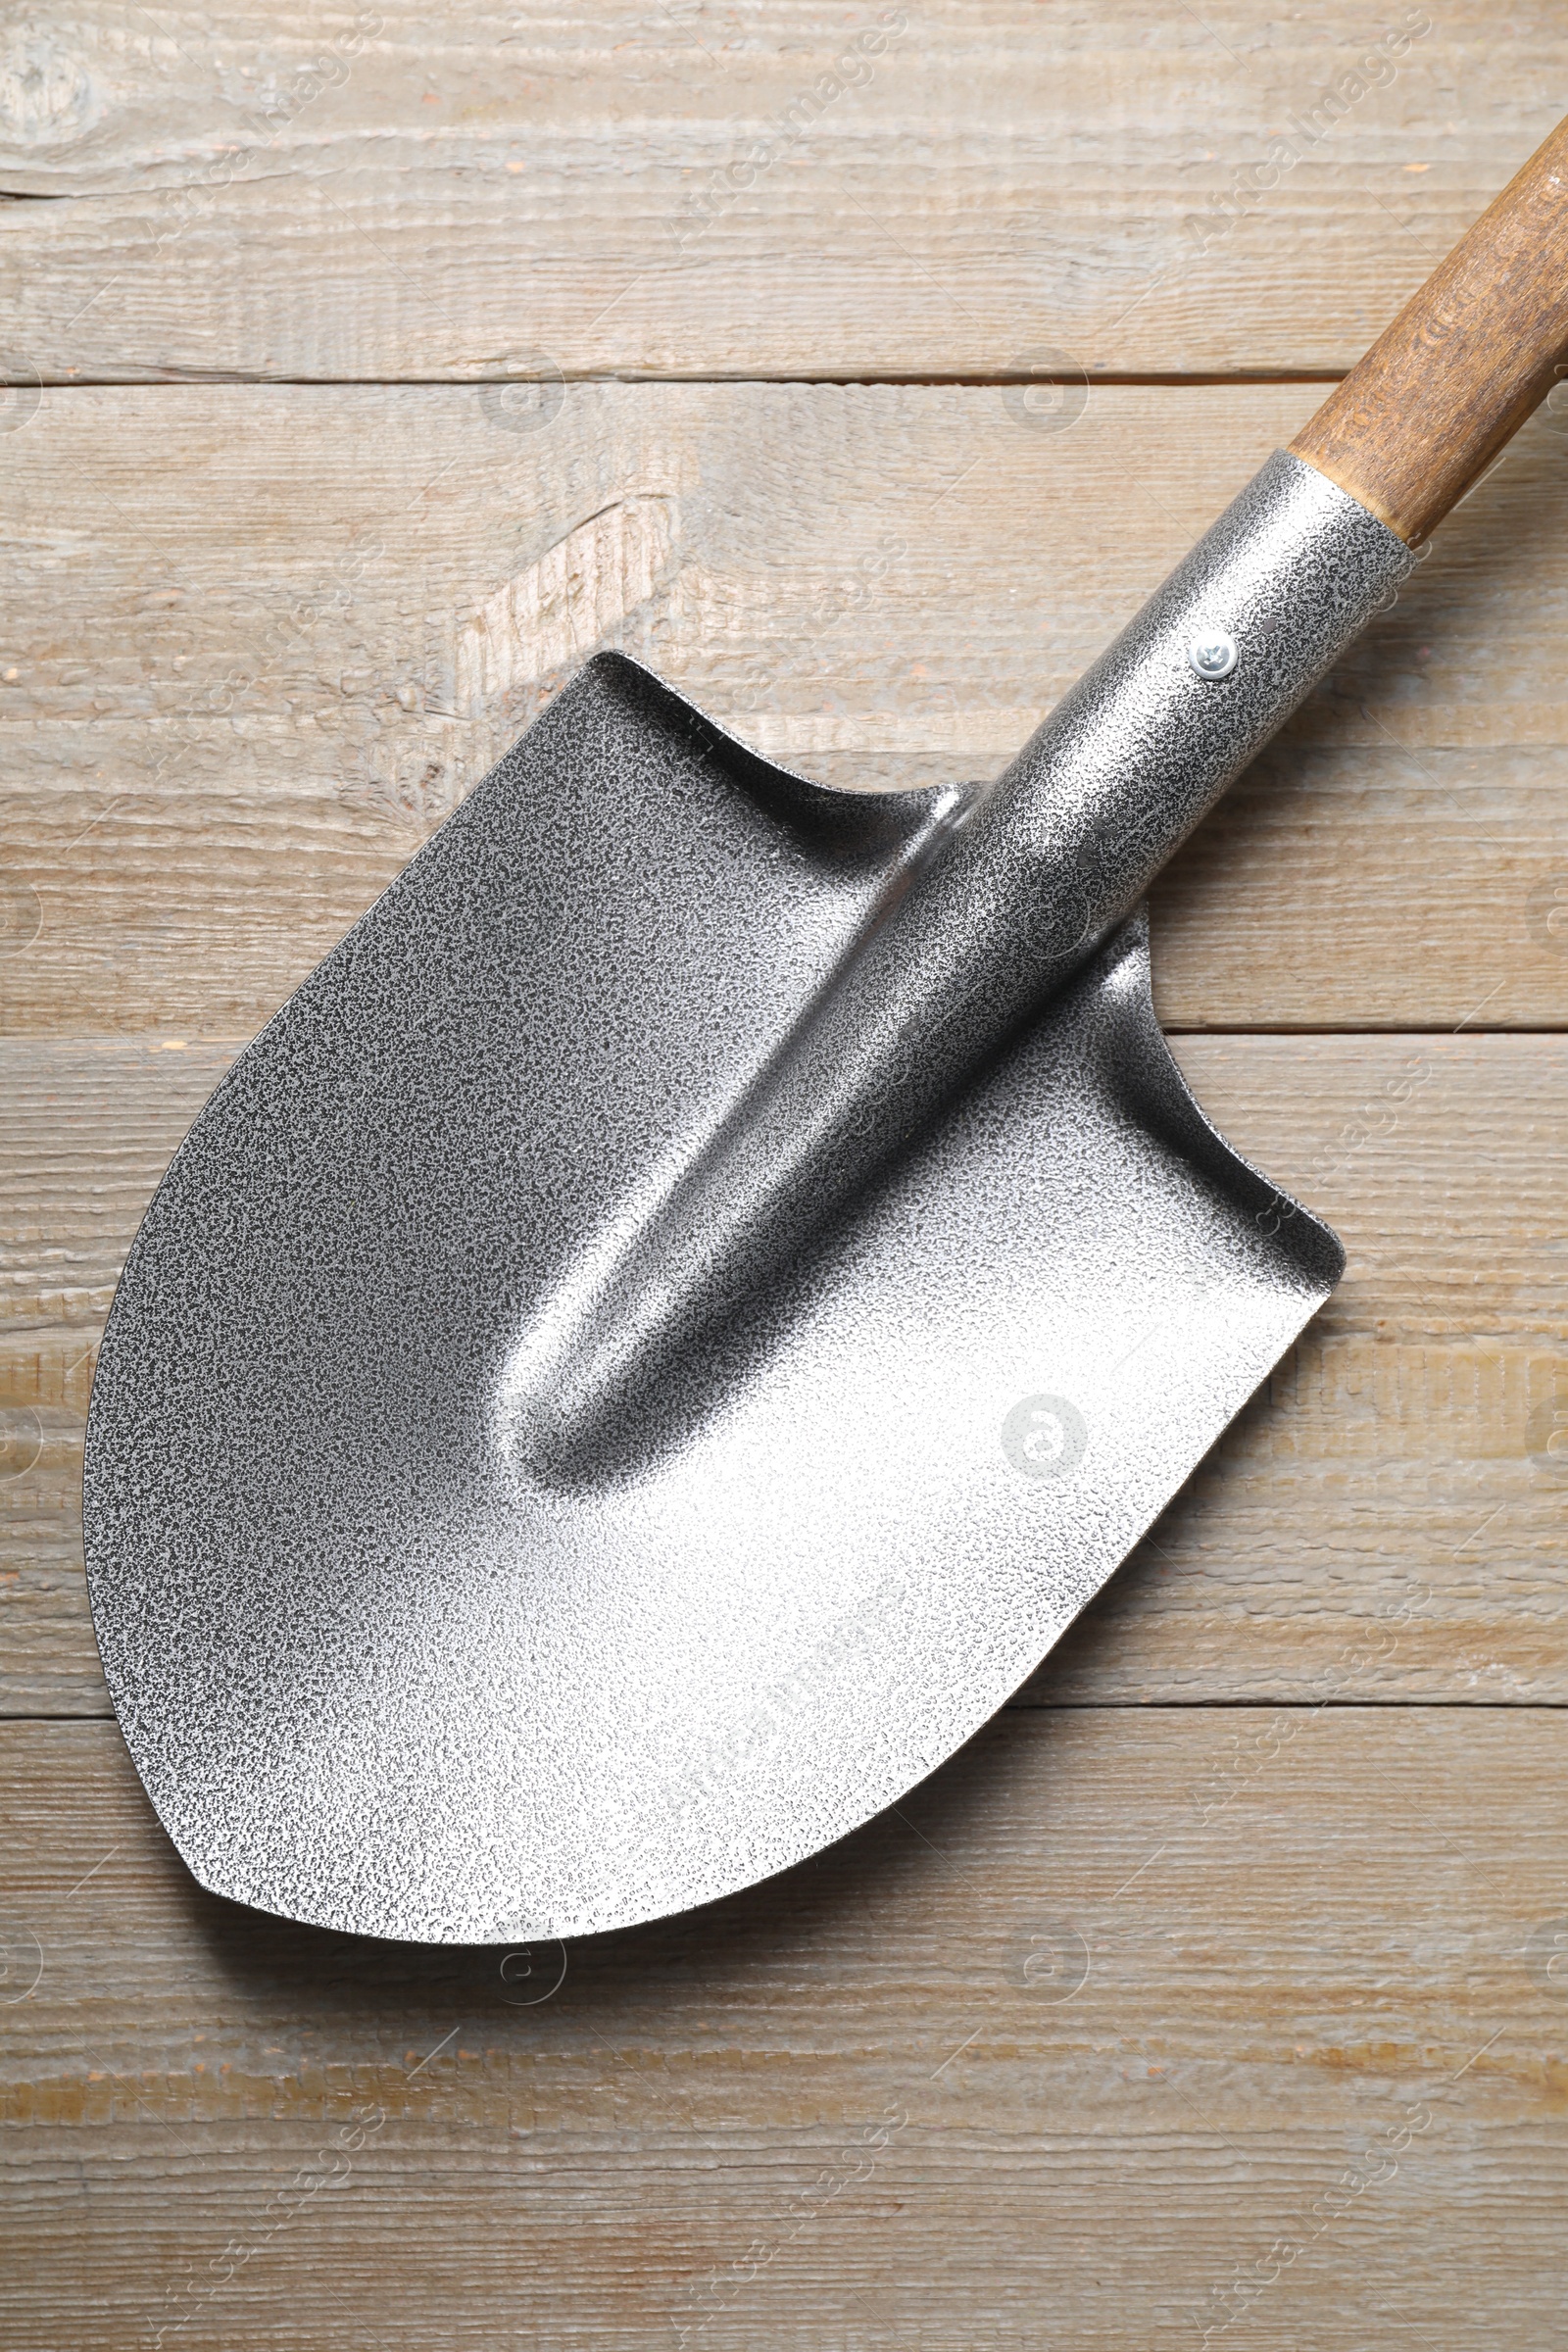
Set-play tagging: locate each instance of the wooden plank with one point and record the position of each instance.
(1066, 2048)
(1385, 1521)
(258, 641)
(1386, 1517)
(789, 189)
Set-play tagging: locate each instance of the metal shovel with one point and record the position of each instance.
(665, 1329)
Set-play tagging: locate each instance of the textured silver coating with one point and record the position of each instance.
(1029, 877)
(657, 1337)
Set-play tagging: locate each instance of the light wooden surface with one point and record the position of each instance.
(1087, 2043)
(1134, 1998)
(260, 638)
(460, 192)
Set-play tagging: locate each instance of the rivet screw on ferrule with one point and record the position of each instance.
(1214, 652)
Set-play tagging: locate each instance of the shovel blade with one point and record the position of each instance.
(375, 1671)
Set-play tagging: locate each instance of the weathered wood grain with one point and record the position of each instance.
(1473, 353)
(1115, 2005)
(1385, 1520)
(258, 640)
(743, 189)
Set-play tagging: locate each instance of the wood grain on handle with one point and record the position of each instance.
(1466, 361)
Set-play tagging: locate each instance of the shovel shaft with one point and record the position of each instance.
(1419, 420)
(1030, 876)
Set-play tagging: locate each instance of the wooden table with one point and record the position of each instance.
(369, 370)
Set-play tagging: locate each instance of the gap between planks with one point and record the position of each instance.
(977, 380)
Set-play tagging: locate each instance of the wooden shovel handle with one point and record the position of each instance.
(1422, 416)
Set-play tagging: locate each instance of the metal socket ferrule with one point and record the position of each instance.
(1027, 878)
(1144, 743)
